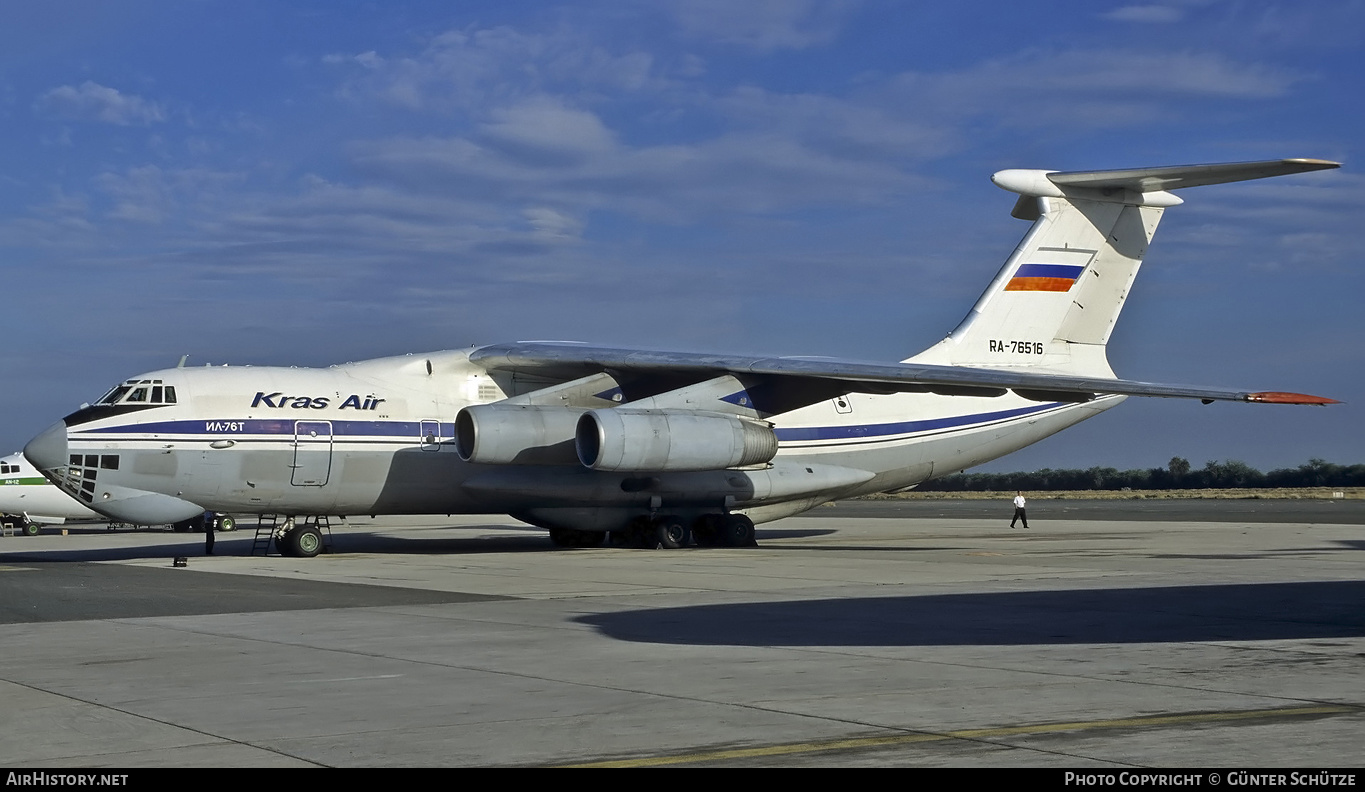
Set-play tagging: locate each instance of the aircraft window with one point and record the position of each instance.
(138, 395)
(156, 394)
(109, 461)
(114, 395)
(170, 394)
(5, 469)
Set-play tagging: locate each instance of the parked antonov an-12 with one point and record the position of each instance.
(27, 500)
(653, 446)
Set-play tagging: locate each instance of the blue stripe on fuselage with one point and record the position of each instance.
(412, 429)
(272, 426)
(902, 427)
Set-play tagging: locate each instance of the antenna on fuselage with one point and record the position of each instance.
(183, 358)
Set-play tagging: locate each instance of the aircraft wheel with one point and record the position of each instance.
(591, 538)
(284, 543)
(670, 533)
(305, 542)
(227, 524)
(737, 531)
(562, 537)
(30, 528)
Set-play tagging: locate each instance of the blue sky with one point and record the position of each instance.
(315, 182)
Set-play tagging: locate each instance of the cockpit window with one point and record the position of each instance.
(140, 392)
(114, 395)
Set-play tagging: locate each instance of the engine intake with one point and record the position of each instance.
(622, 439)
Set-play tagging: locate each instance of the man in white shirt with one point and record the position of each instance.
(1019, 510)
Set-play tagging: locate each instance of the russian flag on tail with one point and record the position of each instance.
(1044, 277)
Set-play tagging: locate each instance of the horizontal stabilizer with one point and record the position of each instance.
(1174, 178)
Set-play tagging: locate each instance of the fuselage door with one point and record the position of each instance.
(312, 453)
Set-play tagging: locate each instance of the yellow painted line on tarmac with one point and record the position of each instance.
(4, 568)
(862, 743)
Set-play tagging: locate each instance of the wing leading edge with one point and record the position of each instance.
(566, 360)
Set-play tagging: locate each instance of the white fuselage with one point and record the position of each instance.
(376, 438)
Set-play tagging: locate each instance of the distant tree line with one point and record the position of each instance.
(1176, 475)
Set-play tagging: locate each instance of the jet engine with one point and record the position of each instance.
(503, 434)
(621, 439)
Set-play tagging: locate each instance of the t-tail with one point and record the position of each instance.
(1054, 303)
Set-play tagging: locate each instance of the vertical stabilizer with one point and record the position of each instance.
(1055, 301)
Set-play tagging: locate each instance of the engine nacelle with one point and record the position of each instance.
(516, 434)
(621, 439)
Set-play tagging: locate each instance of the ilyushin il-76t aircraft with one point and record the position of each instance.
(660, 448)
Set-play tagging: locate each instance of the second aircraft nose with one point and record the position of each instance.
(48, 450)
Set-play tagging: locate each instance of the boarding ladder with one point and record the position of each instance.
(266, 525)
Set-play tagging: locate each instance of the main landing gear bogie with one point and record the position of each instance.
(671, 532)
(736, 530)
(299, 540)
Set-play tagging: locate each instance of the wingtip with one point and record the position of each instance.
(1314, 164)
(1281, 397)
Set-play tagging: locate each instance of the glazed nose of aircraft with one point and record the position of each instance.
(47, 451)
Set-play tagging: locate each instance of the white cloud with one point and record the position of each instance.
(736, 174)
(94, 102)
(471, 69)
(552, 223)
(1085, 90)
(1145, 13)
(62, 222)
(149, 194)
(855, 128)
(544, 130)
(764, 25)
(1106, 72)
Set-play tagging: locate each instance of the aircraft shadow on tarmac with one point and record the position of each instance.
(1177, 614)
(344, 540)
(504, 539)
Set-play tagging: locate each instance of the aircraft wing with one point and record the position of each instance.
(566, 360)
